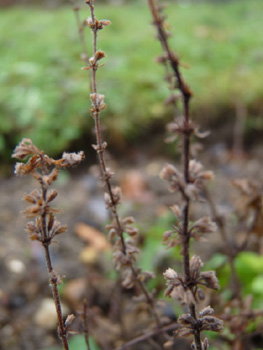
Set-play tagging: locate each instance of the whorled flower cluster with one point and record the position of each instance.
(205, 322)
(198, 228)
(178, 127)
(45, 170)
(124, 255)
(187, 290)
(191, 188)
(38, 160)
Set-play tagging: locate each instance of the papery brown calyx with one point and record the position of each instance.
(69, 159)
(24, 149)
(97, 101)
(202, 226)
(173, 176)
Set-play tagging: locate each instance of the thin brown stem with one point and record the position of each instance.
(55, 293)
(100, 150)
(186, 253)
(52, 276)
(197, 335)
(186, 96)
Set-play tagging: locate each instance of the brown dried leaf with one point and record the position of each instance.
(93, 237)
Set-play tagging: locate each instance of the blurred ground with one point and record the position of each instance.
(27, 317)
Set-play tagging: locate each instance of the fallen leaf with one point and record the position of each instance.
(95, 238)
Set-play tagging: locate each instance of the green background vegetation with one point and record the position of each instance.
(45, 96)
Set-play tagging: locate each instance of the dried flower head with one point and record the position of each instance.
(196, 172)
(176, 287)
(202, 226)
(187, 289)
(114, 198)
(205, 322)
(124, 258)
(97, 102)
(46, 226)
(25, 149)
(171, 174)
(70, 159)
(179, 127)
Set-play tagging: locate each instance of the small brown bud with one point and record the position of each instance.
(89, 22)
(132, 231)
(48, 179)
(61, 229)
(170, 274)
(50, 222)
(51, 195)
(186, 319)
(99, 55)
(195, 267)
(105, 22)
(176, 210)
(70, 318)
(85, 68)
(112, 233)
(128, 220)
(70, 159)
(206, 311)
(168, 172)
(210, 280)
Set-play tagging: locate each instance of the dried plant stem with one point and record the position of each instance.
(54, 287)
(100, 147)
(186, 95)
(53, 278)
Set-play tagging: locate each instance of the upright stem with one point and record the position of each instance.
(106, 178)
(52, 276)
(186, 95)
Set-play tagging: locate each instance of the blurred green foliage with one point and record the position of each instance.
(249, 270)
(45, 96)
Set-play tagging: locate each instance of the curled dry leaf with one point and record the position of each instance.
(95, 238)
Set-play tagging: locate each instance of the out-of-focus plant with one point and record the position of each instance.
(239, 269)
(185, 286)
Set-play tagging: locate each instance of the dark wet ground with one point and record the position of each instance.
(26, 314)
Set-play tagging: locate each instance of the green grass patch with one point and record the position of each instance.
(44, 94)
